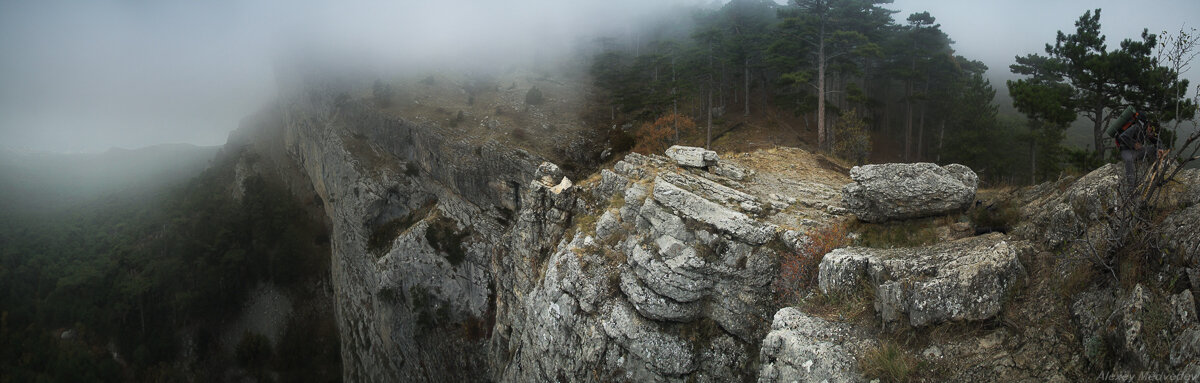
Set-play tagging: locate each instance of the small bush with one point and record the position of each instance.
(621, 142)
(1000, 216)
(656, 137)
(520, 134)
(1079, 279)
(798, 270)
(381, 237)
(909, 233)
(534, 96)
(444, 236)
(890, 363)
(853, 142)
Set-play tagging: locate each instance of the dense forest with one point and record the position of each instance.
(836, 65)
(108, 290)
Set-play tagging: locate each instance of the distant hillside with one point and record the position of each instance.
(49, 182)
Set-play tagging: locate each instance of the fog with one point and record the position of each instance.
(90, 75)
(996, 31)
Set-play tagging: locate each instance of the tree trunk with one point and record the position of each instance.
(655, 81)
(747, 89)
(921, 136)
(708, 139)
(765, 94)
(674, 100)
(708, 109)
(941, 139)
(821, 139)
(1098, 132)
(1032, 158)
(921, 124)
(721, 87)
(885, 123)
(908, 117)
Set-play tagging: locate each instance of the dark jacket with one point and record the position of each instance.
(1136, 134)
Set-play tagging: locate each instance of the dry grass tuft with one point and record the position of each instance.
(890, 363)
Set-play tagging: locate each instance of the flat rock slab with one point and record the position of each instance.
(967, 279)
(690, 156)
(692, 206)
(888, 192)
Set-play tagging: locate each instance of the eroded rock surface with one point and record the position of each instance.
(901, 191)
(670, 281)
(464, 260)
(804, 348)
(961, 280)
(691, 156)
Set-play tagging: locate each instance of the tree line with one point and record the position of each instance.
(818, 60)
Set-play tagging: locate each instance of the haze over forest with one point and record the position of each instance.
(87, 76)
(597, 190)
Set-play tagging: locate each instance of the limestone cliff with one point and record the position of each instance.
(460, 258)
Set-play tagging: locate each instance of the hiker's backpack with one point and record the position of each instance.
(1127, 119)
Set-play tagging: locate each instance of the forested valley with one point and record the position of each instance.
(107, 289)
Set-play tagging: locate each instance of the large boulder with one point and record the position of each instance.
(690, 156)
(901, 191)
(802, 348)
(968, 279)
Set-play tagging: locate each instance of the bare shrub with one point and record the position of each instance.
(798, 270)
(656, 137)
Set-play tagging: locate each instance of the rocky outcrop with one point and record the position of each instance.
(691, 156)
(967, 279)
(458, 260)
(803, 348)
(461, 259)
(1061, 218)
(670, 283)
(1127, 333)
(703, 210)
(901, 191)
(1179, 232)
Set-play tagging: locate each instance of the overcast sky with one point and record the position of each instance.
(79, 75)
(87, 75)
(995, 31)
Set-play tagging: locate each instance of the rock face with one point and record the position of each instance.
(666, 285)
(456, 260)
(902, 191)
(1058, 219)
(802, 348)
(460, 260)
(967, 279)
(691, 156)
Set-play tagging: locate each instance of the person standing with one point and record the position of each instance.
(1136, 143)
